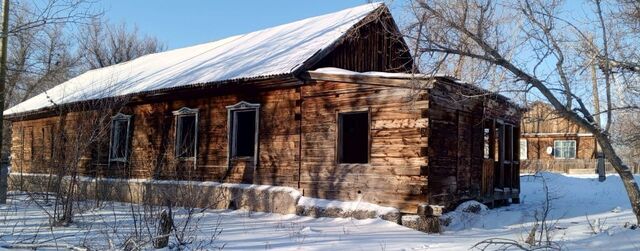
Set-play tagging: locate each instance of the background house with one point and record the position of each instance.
(550, 142)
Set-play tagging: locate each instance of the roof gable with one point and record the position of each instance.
(275, 51)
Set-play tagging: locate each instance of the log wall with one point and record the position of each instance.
(380, 47)
(542, 118)
(425, 146)
(457, 168)
(537, 146)
(153, 136)
(395, 175)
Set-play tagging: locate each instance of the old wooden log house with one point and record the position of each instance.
(325, 105)
(550, 142)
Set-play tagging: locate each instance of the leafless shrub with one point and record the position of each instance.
(598, 225)
(543, 225)
(541, 232)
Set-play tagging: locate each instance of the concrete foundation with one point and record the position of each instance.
(258, 198)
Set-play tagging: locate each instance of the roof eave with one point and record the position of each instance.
(50, 110)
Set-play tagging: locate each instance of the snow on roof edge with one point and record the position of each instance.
(394, 75)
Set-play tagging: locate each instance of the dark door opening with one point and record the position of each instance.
(353, 137)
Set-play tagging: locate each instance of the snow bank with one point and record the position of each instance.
(334, 208)
(346, 205)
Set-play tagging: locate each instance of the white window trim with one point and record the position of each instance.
(524, 149)
(231, 129)
(120, 117)
(575, 148)
(182, 112)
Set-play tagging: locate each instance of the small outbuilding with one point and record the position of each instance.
(326, 105)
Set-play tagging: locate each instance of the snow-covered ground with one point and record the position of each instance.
(23, 223)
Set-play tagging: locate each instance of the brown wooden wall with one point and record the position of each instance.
(541, 118)
(39, 145)
(425, 147)
(278, 137)
(379, 46)
(152, 140)
(395, 174)
(537, 146)
(457, 169)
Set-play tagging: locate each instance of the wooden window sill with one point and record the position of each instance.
(353, 165)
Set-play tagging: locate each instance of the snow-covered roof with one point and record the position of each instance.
(274, 51)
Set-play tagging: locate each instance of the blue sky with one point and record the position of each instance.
(188, 22)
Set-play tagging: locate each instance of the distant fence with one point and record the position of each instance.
(564, 165)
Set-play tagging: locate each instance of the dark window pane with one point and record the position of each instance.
(245, 133)
(119, 139)
(354, 137)
(186, 136)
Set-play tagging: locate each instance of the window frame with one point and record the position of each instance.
(524, 148)
(120, 117)
(181, 113)
(555, 148)
(339, 153)
(232, 110)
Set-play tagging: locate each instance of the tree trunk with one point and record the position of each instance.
(164, 230)
(3, 80)
(628, 180)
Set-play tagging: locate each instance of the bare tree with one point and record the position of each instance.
(540, 49)
(104, 44)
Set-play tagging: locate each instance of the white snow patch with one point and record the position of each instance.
(347, 206)
(399, 75)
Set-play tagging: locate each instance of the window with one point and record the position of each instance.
(119, 144)
(244, 133)
(564, 149)
(486, 135)
(186, 132)
(243, 119)
(523, 149)
(353, 137)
